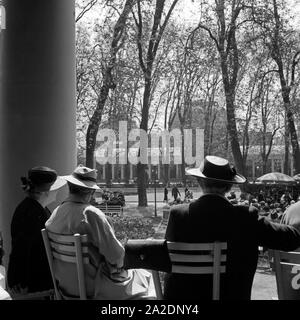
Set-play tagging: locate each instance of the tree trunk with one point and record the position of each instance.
(142, 181)
(206, 131)
(292, 132)
(232, 130)
(182, 166)
(141, 168)
(286, 147)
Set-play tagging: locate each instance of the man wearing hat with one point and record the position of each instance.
(105, 277)
(213, 218)
(28, 269)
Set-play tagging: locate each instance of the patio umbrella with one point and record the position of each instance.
(297, 177)
(276, 178)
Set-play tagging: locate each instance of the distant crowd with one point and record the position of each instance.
(269, 205)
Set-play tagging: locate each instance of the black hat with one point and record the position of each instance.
(42, 179)
(218, 169)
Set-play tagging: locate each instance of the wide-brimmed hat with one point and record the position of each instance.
(84, 177)
(42, 179)
(218, 169)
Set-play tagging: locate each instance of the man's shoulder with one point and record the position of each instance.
(179, 209)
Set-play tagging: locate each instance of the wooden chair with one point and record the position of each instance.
(185, 258)
(67, 248)
(287, 271)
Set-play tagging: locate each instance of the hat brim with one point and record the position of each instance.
(85, 184)
(59, 183)
(195, 172)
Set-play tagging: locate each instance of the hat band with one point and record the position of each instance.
(80, 177)
(219, 173)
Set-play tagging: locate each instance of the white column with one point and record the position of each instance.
(37, 107)
(292, 166)
(253, 169)
(158, 171)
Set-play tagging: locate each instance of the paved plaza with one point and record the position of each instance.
(132, 197)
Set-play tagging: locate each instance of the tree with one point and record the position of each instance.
(83, 7)
(108, 82)
(269, 116)
(282, 43)
(223, 23)
(277, 48)
(147, 65)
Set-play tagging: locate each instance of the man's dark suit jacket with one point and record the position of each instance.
(213, 218)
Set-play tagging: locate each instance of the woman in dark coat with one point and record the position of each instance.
(28, 269)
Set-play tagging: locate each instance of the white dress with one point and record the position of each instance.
(105, 277)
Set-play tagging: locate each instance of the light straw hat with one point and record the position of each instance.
(84, 177)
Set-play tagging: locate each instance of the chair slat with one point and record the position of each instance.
(175, 257)
(65, 238)
(60, 248)
(292, 257)
(290, 264)
(194, 246)
(195, 270)
(67, 258)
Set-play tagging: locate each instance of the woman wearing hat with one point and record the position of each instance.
(105, 277)
(28, 269)
(213, 218)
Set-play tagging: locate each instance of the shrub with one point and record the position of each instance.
(132, 228)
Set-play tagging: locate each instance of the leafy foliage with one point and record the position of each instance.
(132, 228)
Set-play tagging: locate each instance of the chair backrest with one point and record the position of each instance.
(67, 248)
(187, 258)
(287, 271)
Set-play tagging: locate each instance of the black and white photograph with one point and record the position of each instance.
(149, 155)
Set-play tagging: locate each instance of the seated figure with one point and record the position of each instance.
(28, 269)
(105, 277)
(213, 218)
